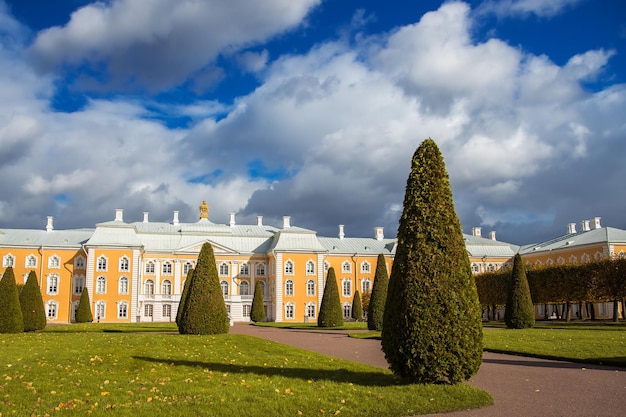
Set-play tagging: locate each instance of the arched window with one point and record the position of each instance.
(166, 287)
(347, 310)
(122, 310)
(124, 264)
(101, 264)
(310, 268)
(100, 310)
(79, 262)
(345, 267)
(475, 268)
(122, 285)
(224, 286)
(326, 266)
(52, 284)
(54, 262)
(148, 287)
(290, 312)
(244, 288)
(167, 268)
(366, 286)
(310, 310)
(31, 261)
(224, 269)
(79, 284)
(289, 268)
(260, 270)
(310, 288)
(187, 266)
(150, 268)
(289, 287)
(51, 310)
(346, 285)
(101, 285)
(366, 267)
(244, 269)
(263, 288)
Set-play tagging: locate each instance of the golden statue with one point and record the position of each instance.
(204, 210)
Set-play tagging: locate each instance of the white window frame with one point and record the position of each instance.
(366, 283)
(224, 269)
(244, 284)
(122, 310)
(124, 264)
(101, 285)
(52, 310)
(31, 262)
(52, 284)
(311, 310)
(224, 285)
(148, 287)
(122, 285)
(166, 287)
(150, 268)
(289, 267)
(79, 284)
(290, 311)
(186, 267)
(166, 310)
(148, 310)
(102, 263)
(310, 288)
(366, 267)
(310, 267)
(244, 269)
(166, 268)
(346, 267)
(100, 310)
(289, 288)
(79, 262)
(346, 287)
(54, 262)
(260, 270)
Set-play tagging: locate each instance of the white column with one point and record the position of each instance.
(278, 288)
(134, 285)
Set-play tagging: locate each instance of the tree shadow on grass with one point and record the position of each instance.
(341, 375)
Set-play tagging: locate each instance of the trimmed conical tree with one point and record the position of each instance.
(204, 311)
(330, 314)
(357, 306)
(432, 330)
(83, 313)
(257, 312)
(183, 297)
(31, 302)
(11, 320)
(519, 312)
(376, 307)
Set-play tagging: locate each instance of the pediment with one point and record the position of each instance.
(217, 248)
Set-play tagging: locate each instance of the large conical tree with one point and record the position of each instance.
(31, 302)
(11, 320)
(257, 312)
(519, 312)
(183, 297)
(204, 311)
(357, 306)
(432, 330)
(83, 313)
(330, 314)
(376, 307)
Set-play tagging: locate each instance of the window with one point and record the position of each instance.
(260, 270)
(246, 310)
(122, 310)
(31, 261)
(586, 258)
(51, 310)
(79, 284)
(54, 262)
(101, 285)
(224, 269)
(560, 260)
(167, 268)
(366, 267)
(166, 287)
(101, 264)
(224, 286)
(310, 287)
(598, 256)
(288, 268)
(475, 268)
(148, 287)
(124, 264)
(366, 286)
(244, 269)
(52, 284)
(150, 267)
(187, 266)
(122, 285)
(289, 287)
(79, 262)
(346, 286)
(289, 311)
(310, 310)
(148, 310)
(244, 288)
(310, 268)
(326, 266)
(167, 310)
(548, 262)
(345, 267)
(492, 268)
(573, 259)
(100, 310)
(347, 310)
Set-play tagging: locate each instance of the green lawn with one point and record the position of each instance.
(142, 370)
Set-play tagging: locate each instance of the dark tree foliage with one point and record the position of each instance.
(83, 314)
(357, 306)
(612, 282)
(257, 312)
(33, 311)
(204, 310)
(11, 320)
(378, 298)
(432, 328)
(519, 312)
(183, 296)
(330, 314)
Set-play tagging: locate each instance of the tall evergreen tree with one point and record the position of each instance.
(432, 330)
(31, 302)
(183, 297)
(379, 295)
(204, 310)
(11, 320)
(330, 314)
(357, 306)
(519, 312)
(83, 313)
(257, 312)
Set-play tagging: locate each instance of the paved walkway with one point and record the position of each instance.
(520, 386)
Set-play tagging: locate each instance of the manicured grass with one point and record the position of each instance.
(146, 373)
(349, 325)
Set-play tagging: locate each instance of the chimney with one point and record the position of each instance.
(232, 219)
(341, 234)
(596, 223)
(50, 225)
(119, 215)
(571, 228)
(145, 216)
(175, 219)
(585, 226)
(492, 235)
(286, 222)
(476, 231)
(378, 233)
(259, 220)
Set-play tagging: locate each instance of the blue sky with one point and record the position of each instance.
(312, 109)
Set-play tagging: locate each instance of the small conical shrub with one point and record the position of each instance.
(31, 302)
(257, 312)
(83, 313)
(357, 307)
(330, 314)
(376, 307)
(519, 312)
(204, 311)
(183, 297)
(11, 320)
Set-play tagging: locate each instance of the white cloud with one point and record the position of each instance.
(523, 8)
